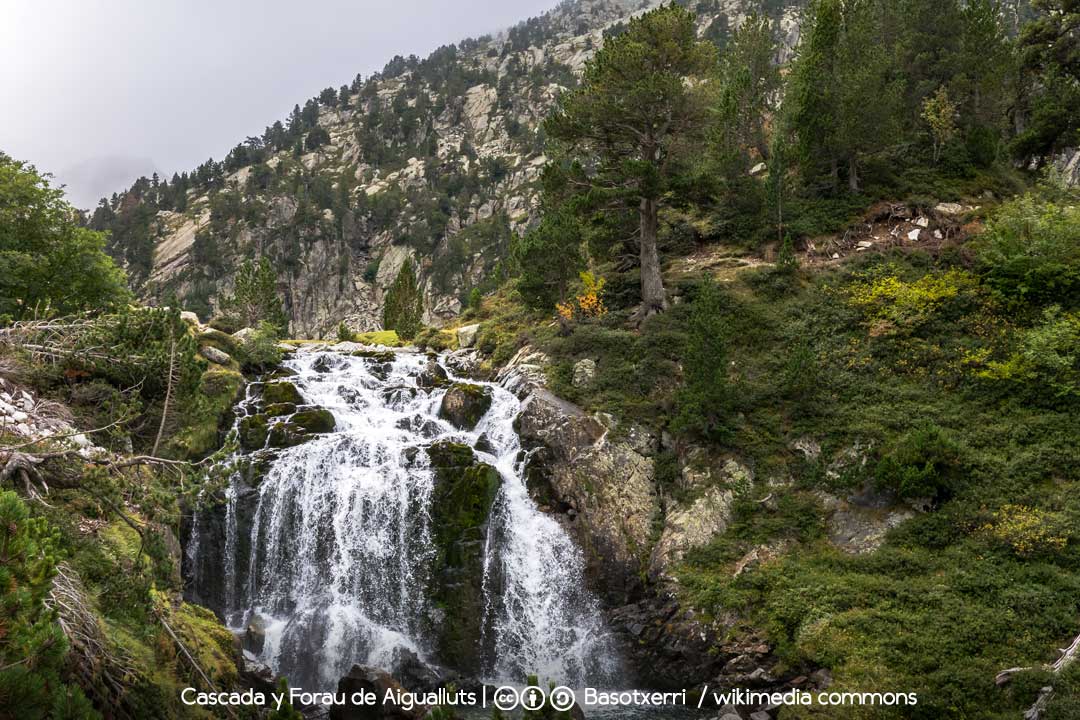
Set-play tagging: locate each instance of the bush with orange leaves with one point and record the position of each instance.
(589, 303)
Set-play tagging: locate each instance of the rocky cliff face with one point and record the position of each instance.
(436, 160)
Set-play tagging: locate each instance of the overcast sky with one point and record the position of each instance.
(98, 92)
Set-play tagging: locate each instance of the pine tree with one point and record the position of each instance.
(254, 298)
(32, 645)
(404, 307)
(548, 257)
(638, 105)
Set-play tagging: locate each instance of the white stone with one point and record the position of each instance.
(864, 244)
(584, 372)
(949, 208)
(922, 222)
(214, 355)
(914, 234)
(466, 335)
(19, 416)
(759, 169)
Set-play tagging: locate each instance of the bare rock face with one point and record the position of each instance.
(691, 527)
(606, 487)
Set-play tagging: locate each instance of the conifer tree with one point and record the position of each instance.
(638, 106)
(404, 307)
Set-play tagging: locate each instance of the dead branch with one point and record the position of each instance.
(1068, 655)
(168, 392)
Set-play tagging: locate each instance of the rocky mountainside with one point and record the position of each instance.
(434, 160)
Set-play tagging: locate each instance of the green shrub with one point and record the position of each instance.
(1030, 251)
(344, 334)
(1047, 357)
(703, 402)
(260, 351)
(922, 463)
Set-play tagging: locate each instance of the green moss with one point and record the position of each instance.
(281, 392)
(287, 434)
(388, 338)
(253, 430)
(464, 492)
(222, 341)
(319, 420)
(279, 409)
(203, 420)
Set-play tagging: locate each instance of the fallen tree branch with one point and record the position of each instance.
(1068, 655)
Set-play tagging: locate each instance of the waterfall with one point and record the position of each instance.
(334, 560)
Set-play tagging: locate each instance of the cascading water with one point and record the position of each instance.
(334, 561)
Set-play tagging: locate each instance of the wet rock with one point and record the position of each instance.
(608, 485)
(281, 392)
(325, 363)
(255, 674)
(417, 675)
(318, 420)
(255, 635)
(483, 444)
(279, 409)
(287, 434)
(420, 425)
(464, 404)
(253, 430)
(432, 376)
(467, 363)
(464, 492)
(363, 679)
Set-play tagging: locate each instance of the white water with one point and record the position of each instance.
(340, 543)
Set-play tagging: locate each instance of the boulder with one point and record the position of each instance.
(287, 434)
(363, 679)
(464, 404)
(605, 484)
(432, 376)
(255, 635)
(244, 335)
(252, 431)
(214, 355)
(190, 318)
(279, 409)
(466, 335)
(281, 392)
(584, 372)
(949, 209)
(317, 420)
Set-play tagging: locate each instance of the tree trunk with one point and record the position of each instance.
(853, 174)
(653, 299)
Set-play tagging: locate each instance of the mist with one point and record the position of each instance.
(99, 92)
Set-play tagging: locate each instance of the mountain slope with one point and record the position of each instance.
(436, 160)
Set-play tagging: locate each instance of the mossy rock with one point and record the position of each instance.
(254, 468)
(464, 493)
(222, 341)
(464, 404)
(253, 431)
(380, 356)
(206, 420)
(280, 373)
(318, 420)
(287, 434)
(281, 392)
(280, 409)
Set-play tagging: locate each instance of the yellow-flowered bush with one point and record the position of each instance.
(1026, 530)
(891, 304)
